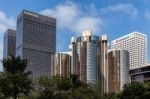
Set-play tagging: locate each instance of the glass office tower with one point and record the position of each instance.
(84, 51)
(36, 42)
(89, 58)
(9, 43)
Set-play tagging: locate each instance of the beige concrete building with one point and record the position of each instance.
(136, 44)
(118, 70)
(61, 64)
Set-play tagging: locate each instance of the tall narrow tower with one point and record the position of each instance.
(103, 64)
(84, 53)
(89, 59)
(9, 43)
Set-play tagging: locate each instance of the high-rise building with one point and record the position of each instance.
(84, 57)
(61, 64)
(36, 42)
(102, 61)
(136, 44)
(89, 59)
(118, 70)
(75, 66)
(9, 43)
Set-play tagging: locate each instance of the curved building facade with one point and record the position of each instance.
(118, 67)
(61, 64)
(84, 57)
(89, 59)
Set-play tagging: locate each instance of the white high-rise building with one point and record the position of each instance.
(136, 44)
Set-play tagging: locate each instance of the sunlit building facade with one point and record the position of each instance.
(102, 63)
(89, 59)
(118, 70)
(84, 54)
(61, 64)
(136, 44)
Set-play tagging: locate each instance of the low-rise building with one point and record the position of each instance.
(61, 64)
(141, 74)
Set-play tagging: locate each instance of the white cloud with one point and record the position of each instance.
(86, 23)
(6, 22)
(70, 16)
(3, 27)
(147, 15)
(121, 8)
(64, 13)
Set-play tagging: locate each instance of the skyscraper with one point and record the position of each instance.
(103, 64)
(89, 59)
(36, 41)
(61, 64)
(118, 70)
(136, 44)
(84, 53)
(9, 43)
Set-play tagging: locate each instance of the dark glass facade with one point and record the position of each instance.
(9, 43)
(36, 41)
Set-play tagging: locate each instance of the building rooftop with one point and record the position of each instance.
(36, 15)
(127, 36)
(11, 32)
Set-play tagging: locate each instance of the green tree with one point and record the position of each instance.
(85, 92)
(133, 90)
(54, 88)
(46, 88)
(147, 90)
(75, 82)
(66, 88)
(15, 80)
(111, 96)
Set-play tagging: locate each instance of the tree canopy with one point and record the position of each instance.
(15, 80)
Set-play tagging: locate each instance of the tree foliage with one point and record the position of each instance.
(14, 80)
(133, 90)
(66, 88)
(111, 96)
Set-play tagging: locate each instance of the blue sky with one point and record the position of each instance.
(112, 17)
